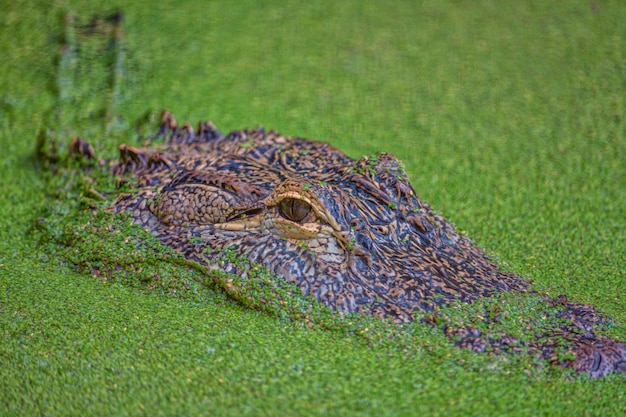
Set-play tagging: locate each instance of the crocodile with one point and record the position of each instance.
(353, 234)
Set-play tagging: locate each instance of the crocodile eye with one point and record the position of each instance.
(294, 209)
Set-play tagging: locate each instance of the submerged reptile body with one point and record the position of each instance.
(351, 233)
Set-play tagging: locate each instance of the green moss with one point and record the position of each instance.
(509, 118)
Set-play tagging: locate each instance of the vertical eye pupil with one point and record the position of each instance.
(294, 209)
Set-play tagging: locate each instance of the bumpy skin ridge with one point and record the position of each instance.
(351, 233)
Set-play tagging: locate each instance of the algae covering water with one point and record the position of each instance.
(75, 343)
(354, 235)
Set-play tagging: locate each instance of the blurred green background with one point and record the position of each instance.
(509, 117)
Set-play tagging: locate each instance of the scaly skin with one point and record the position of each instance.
(352, 234)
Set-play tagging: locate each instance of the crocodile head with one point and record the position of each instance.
(351, 233)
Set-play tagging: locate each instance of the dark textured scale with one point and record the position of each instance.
(351, 233)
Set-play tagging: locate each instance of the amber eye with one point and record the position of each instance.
(294, 209)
